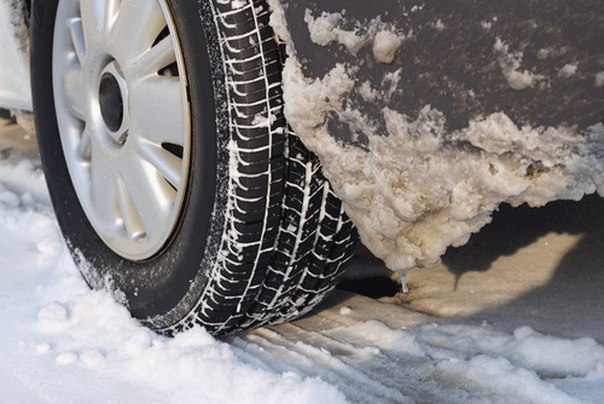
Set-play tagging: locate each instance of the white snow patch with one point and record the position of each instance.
(385, 46)
(327, 29)
(439, 25)
(369, 93)
(345, 311)
(237, 4)
(487, 374)
(599, 81)
(568, 70)
(263, 121)
(510, 63)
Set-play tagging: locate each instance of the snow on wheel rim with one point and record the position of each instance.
(120, 95)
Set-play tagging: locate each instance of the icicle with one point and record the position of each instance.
(404, 287)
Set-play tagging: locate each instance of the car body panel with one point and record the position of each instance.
(458, 56)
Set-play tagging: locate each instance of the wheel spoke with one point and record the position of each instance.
(132, 221)
(77, 38)
(157, 111)
(97, 17)
(84, 148)
(156, 58)
(74, 89)
(103, 188)
(151, 196)
(166, 163)
(137, 24)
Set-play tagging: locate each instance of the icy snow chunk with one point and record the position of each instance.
(345, 311)
(599, 81)
(497, 375)
(66, 358)
(385, 46)
(91, 357)
(439, 25)
(597, 373)
(369, 93)
(568, 70)
(556, 356)
(9, 200)
(137, 343)
(325, 30)
(42, 348)
(237, 4)
(53, 316)
(510, 67)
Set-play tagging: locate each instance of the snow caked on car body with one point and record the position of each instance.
(177, 158)
(427, 116)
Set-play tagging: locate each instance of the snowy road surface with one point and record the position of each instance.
(63, 343)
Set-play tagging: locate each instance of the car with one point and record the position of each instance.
(207, 160)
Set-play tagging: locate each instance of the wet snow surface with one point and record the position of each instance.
(63, 343)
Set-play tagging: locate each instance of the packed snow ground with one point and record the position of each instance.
(63, 343)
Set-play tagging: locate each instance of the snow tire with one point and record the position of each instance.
(262, 238)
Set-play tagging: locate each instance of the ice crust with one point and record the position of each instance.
(417, 189)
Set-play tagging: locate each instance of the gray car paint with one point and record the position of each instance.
(454, 69)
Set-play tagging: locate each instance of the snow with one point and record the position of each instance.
(421, 189)
(510, 63)
(324, 30)
(62, 342)
(385, 46)
(327, 28)
(14, 67)
(568, 70)
(599, 82)
(237, 4)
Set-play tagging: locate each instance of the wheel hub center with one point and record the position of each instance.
(111, 102)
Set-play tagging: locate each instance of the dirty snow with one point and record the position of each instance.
(510, 64)
(599, 81)
(385, 46)
(65, 343)
(328, 28)
(421, 189)
(568, 70)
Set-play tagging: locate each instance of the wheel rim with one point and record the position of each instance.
(120, 94)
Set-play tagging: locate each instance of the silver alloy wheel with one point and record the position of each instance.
(121, 102)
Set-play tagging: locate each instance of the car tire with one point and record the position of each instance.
(253, 234)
